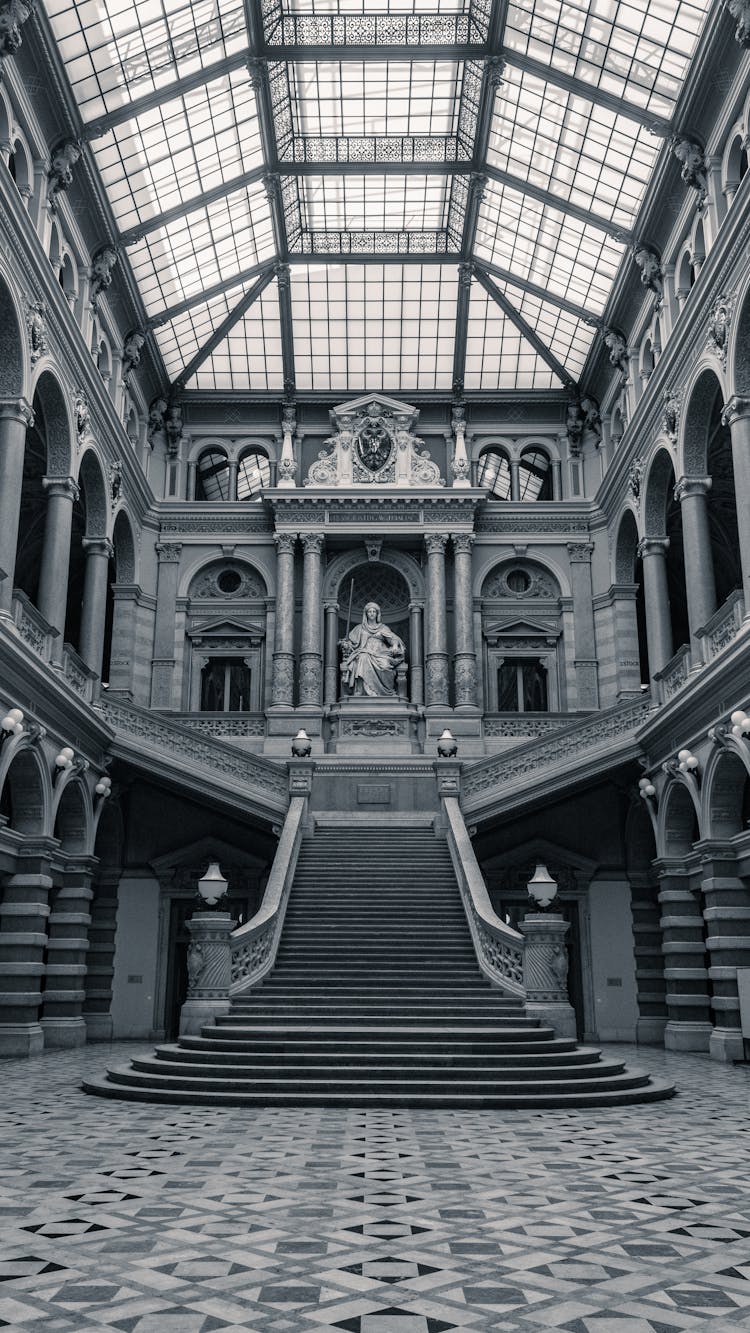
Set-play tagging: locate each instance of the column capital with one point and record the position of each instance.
(435, 543)
(653, 546)
(168, 552)
(331, 608)
(737, 409)
(580, 553)
(16, 409)
(285, 542)
(312, 542)
(415, 605)
(462, 542)
(98, 546)
(63, 486)
(689, 486)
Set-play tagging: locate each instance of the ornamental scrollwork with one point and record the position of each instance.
(719, 322)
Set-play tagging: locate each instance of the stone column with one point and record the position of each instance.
(190, 488)
(15, 417)
(23, 939)
(416, 652)
(436, 661)
(99, 551)
(692, 492)
(209, 970)
(688, 1025)
(64, 992)
(311, 657)
(726, 912)
(53, 576)
(283, 651)
(515, 483)
(545, 971)
(465, 663)
(653, 552)
(234, 468)
(331, 692)
(100, 959)
(649, 960)
(162, 663)
(736, 416)
(586, 662)
(556, 479)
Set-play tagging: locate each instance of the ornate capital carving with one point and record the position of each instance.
(692, 162)
(651, 274)
(617, 348)
(737, 409)
(101, 271)
(653, 546)
(17, 409)
(256, 68)
(13, 15)
(435, 543)
(169, 553)
(36, 326)
(580, 553)
(282, 271)
(312, 543)
(494, 71)
(718, 327)
(98, 546)
(61, 486)
(466, 270)
(687, 487)
(60, 174)
(462, 542)
(285, 542)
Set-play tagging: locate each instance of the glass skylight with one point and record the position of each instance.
(250, 356)
(375, 203)
(564, 143)
(180, 149)
(359, 99)
(181, 337)
(636, 49)
(383, 326)
(117, 50)
(567, 337)
(497, 354)
(537, 242)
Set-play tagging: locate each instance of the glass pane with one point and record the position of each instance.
(507, 687)
(212, 476)
(253, 476)
(212, 686)
(534, 476)
(497, 354)
(250, 355)
(239, 686)
(534, 686)
(494, 474)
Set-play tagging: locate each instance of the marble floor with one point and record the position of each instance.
(118, 1216)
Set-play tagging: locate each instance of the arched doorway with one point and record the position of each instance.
(631, 615)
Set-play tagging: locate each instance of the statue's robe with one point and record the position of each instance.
(371, 660)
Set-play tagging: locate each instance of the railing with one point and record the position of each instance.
(674, 675)
(523, 726)
(225, 724)
(140, 729)
(597, 731)
(255, 944)
(80, 678)
(498, 947)
(31, 626)
(724, 626)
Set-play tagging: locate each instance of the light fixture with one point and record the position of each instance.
(12, 723)
(646, 788)
(542, 887)
(447, 746)
(103, 787)
(64, 759)
(213, 885)
(301, 745)
(686, 762)
(739, 719)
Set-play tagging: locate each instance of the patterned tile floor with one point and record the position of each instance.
(118, 1216)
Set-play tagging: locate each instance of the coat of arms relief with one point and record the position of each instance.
(374, 444)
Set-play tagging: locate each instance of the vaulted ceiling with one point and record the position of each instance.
(375, 194)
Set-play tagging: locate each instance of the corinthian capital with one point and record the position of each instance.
(312, 543)
(737, 409)
(285, 542)
(690, 486)
(462, 542)
(435, 543)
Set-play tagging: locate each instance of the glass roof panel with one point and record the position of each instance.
(374, 203)
(204, 247)
(564, 143)
(539, 243)
(178, 150)
(376, 6)
(360, 99)
(117, 50)
(635, 49)
(383, 326)
(566, 336)
(497, 355)
(250, 356)
(181, 337)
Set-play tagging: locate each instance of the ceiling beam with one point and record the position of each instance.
(524, 328)
(462, 329)
(207, 294)
(287, 329)
(584, 215)
(220, 333)
(534, 289)
(135, 234)
(385, 51)
(657, 124)
(130, 110)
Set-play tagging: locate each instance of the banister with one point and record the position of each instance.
(499, 948)
(254, 945)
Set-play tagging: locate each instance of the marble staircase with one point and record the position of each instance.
(376, 999)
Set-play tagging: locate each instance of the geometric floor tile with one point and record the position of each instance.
(120, 1216)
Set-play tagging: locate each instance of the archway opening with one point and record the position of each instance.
(629, 570)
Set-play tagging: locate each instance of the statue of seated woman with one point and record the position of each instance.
(372, 654)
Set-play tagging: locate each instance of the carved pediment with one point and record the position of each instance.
(374, 445)
(225, 629)
(522, 629)
(199, 854)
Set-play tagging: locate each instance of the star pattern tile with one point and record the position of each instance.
(630, 1220)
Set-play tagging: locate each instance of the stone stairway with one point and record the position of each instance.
(376, 999)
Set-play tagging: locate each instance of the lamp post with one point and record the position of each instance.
(545, 966)
(209, 956)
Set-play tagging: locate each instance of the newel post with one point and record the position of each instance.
(209, 959)
(545, 960)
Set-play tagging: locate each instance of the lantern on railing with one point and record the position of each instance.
(212, 886)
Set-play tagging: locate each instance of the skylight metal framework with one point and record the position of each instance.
(254, 150)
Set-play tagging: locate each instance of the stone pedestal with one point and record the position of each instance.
(545, 971)
(209, 970)
(365, 726)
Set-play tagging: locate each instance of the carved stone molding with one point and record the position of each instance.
(169, 553)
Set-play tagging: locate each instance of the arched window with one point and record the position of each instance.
(494, 473)
(212, 476)
(534, 475)
(253, 474)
